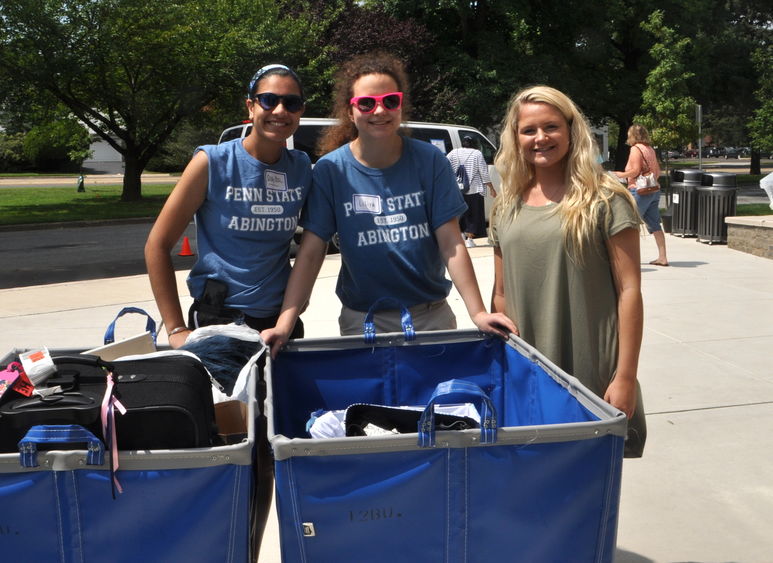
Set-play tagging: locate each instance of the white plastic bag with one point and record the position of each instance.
(646, 181)
(241, 332)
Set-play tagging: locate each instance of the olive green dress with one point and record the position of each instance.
(565, 309)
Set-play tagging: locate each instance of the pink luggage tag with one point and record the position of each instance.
(109, 403)
(13, 377)
(7, 378)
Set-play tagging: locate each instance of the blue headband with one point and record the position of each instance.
(265, 70)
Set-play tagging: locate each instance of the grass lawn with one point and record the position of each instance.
(753, 209)
(19, 206)
(749, 179)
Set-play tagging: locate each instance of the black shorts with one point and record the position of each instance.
(202, 314)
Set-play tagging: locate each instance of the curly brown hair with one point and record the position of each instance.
(361, 65)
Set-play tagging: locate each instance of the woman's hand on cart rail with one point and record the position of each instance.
(275, 339)
(495, 323)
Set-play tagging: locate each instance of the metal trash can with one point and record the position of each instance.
(684, 219)
(716, 200)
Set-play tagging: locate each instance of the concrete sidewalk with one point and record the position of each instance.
(703, 492)
(71, 180)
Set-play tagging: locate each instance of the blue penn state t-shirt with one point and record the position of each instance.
(244, 227)
(386, 221)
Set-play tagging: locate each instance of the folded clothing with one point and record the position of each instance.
(370, 420)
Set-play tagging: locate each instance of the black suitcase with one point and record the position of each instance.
(168, 401)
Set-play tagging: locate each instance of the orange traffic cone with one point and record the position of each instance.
(186, 249)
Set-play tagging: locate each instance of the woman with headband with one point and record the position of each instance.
(246, 195)
(395, 205)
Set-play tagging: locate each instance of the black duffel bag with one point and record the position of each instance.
(168, 401)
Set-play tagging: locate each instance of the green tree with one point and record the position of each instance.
(346, 28)
(478, 55)
(132, 70)
(23, 106)
(60, 145)
(11, 152)
(176, 152)
(761, 124)
(487, 50)
(51, 138)
(595, 52)
(724, 35)
(667, 108)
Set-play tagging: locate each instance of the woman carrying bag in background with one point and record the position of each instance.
(642, 161)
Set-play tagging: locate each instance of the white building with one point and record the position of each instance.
(104, 157)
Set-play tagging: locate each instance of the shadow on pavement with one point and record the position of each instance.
(672, 264)
(623, 556)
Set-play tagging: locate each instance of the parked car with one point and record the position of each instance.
(716, 152)
(732, 152)
(442, 135)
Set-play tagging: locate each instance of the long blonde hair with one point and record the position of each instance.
(589, 187)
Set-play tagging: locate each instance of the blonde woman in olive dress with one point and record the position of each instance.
(566, 251)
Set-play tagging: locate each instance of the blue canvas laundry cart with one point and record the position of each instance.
(542, 485)
(177, 505)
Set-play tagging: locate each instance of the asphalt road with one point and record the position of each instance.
(45, 256)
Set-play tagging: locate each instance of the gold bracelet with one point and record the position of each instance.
(176, 330)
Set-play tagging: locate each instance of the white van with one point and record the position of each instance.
(444, 136)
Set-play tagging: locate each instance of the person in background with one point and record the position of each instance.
(766, 184)
(246, 195)
(473, 221)
(395, 205)
(566, 251)
(642, 160)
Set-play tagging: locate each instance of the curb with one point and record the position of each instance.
(75, 224)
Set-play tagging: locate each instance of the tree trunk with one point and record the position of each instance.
(754, 165)
(621, 153)
(132, 179)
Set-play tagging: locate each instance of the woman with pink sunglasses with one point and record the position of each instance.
(395, 205)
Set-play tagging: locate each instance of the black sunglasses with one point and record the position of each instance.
(268, 101)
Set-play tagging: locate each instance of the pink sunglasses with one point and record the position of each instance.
(368, 104)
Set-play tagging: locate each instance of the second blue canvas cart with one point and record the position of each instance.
(545, 488)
